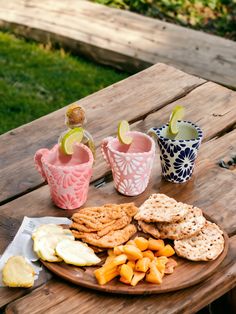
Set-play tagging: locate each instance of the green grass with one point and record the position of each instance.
(36, 80)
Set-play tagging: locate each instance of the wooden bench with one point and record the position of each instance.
(212, 187)
(125, 40)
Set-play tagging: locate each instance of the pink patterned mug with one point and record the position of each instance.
(131, 165)
(67, 176)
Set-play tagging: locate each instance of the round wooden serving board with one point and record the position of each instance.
(186, 274)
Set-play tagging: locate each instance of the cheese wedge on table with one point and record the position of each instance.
(17, 272)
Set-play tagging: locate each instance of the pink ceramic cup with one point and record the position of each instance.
(131, 165)
(67, 176)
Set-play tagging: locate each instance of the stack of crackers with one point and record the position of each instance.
(194, 237)
(106, 226)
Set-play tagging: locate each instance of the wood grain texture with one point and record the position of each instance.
(208, 182)
(59, 297)
(186, 274)
(210, 105)
(123, 39)
(161, 84)
(211, 188)
(9, 294)
(219, 116)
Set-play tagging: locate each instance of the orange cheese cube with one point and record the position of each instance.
(126, 272)
(104, 278)
(141, 243)
(161, 264)
(109, 259)
(136, 278)
(154, 276)
(131, 264)
(131, 242)
(167, 251)
(132, 252)
(143, 264)
(120, 259)
(116, 261)
(155, 245)
(162, 259)
(149, 254)
(118, 250)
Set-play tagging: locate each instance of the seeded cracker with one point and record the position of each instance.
(190, 225)
(161, 208)
(207, 245)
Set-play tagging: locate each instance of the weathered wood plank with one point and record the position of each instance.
(219, 115)
(146, 91)
(123, 39)
(211, 106)
(211, 188)
(59, 297)
(9, 294)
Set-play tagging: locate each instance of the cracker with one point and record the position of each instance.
(207, 245)
(110, 240)
(104, 219)
(161, 208)
(86, 226)
(149, 228)
(118, 224)
(190, 225)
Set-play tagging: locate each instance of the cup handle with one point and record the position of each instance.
(38, 161)
(104, 149)
(152, 133)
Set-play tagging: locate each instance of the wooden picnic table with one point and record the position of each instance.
(145, 99)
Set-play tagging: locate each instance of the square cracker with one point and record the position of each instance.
(161, 208)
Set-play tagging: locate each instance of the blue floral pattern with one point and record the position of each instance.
(165, 163)
(184, 162)
(171, 148)
(177, 156)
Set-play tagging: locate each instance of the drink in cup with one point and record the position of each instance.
(179, 142)
(67, 168)
(130, 156)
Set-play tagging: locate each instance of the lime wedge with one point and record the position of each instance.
(72, 136)
(123, 129)
(177, 114)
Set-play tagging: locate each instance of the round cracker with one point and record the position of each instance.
(190, 225)
(207, 245)
(161, 208)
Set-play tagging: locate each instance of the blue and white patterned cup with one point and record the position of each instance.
(178, 153)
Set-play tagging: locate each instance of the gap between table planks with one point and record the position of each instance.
(131, 99)
(67, 298)
(120, 38)
(202, 190)
(218, 117)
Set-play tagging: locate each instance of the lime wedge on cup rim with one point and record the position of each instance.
(123, 129)
(68, 140)
(177, 114)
